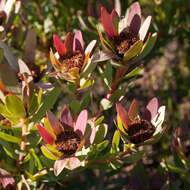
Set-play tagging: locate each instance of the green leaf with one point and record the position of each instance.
(120, 125)
(37, 160)
(115, 165)
(85, 83)
(101, 146)
(108, 74)
(117, 94)
(8, 115)
(105, 104)
(47, 103)
(101, 132)
(71, 86)
(48, 154)
(33, 104)
(176, 169)
(40, 93)
(75, 106)
(9, 138)
(8, 148)
(89, 68)
(85, 102)
(27, 158)
(133, 73)
(133, 51)
(30, 175)
(15, 106)
(134, 157)
(115, 142)
(148, 46)
(99, 121)
(31, 165)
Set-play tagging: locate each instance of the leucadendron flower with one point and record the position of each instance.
(65, 138)
(73, 59)
(140, 129)
(125, 37)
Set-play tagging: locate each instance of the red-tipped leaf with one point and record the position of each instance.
(55, 124)
(123, 115)
(115, 20)
(107, 24)
(59, 45)
(47, 137)
(68, 43)
(134, 110)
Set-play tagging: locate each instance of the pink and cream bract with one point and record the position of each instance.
(64, 138)
(125, 37)
(73, 58)
(137, 129)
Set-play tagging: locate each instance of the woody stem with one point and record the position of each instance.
(23, 142)
(111, 159)
(118, 76)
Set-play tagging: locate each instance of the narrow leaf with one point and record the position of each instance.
(134, 50)
(9, 138)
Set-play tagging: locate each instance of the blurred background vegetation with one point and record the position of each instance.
(165, 75)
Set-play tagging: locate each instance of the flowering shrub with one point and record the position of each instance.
(47, 68)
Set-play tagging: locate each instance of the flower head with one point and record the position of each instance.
(125, 36)
(139, 130)
(65, 138)
(72, 57)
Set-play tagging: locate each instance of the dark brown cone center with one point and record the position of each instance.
(3, 17)
(67, 142)
(140, 130)
(124, 41)
(74, 59)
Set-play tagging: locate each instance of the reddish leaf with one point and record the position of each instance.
(115, 20)
(134, 19)
(151, 109)
(78, 43)
(107, 24)
(123, 115)
(81, 122)
(68, 43)
(133, 110)
(66, 117)
(47, 137)
(59, 45)
(55, 124)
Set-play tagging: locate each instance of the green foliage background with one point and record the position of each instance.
(166, 76)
